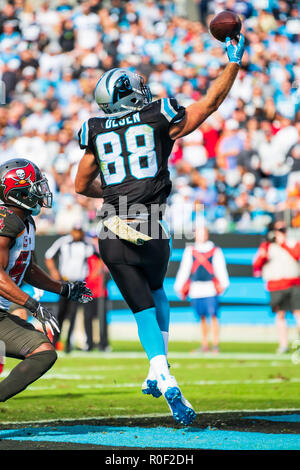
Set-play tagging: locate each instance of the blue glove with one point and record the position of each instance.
(235, 52)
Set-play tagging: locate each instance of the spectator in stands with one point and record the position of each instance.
(67, 87)
(248, 160)
(287, 100)
(242, 87)
(254, 131)
(229, 146)
(277, 261)
(67, 36)
(87, 27)
(73, 252)
(294, 161)
(48, 18)
(8, 13)
(31, 144)
(53, 56)
(10, 78)
(273, 163)
(193, 150)
(203, 277)
(211, 136)
(10, 37)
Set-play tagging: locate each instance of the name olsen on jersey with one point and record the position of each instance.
(113, 123)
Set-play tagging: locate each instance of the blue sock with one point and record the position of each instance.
(162, 307)
(149, 333)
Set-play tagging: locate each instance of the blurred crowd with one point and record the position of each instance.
(243, 164)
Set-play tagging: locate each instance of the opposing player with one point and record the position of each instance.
(23, 191)
(130, 147)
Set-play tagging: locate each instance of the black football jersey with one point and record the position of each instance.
(132, 153)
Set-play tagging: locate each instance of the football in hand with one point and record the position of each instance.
(225, 24)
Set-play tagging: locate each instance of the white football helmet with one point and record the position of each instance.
(119, 92)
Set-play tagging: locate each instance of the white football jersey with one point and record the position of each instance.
(23, 243)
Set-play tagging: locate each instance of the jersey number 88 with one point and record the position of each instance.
(140, 145)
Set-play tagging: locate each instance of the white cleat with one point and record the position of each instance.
(181, 409)
(150, 387)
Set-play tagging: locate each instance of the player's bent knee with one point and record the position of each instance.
(27, 371)
(42, 347)
(45, 354)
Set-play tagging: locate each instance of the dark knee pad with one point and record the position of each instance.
(26, 372)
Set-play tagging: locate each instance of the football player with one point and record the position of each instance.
(23, 192)
(129, 147)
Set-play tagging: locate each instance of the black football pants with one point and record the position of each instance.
(137, 269)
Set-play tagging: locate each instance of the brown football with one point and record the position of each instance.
(225, 24)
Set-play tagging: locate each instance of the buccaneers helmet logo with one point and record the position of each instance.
(18, 178)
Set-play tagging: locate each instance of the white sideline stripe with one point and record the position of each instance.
(175, 355)
(196, 382)
(108, 367)
(150, 415)
(53, 375)
(243, 382)
(175, 365)
(229, 366)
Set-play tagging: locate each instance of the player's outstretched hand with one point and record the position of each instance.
(46, 318)
(77, 291)
(235, 51)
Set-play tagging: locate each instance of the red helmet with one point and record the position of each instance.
(23, 185)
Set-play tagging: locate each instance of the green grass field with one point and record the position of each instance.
(82, 385)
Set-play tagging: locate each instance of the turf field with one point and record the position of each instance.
(94, 385)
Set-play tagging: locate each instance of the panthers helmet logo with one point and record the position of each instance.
(122, 88)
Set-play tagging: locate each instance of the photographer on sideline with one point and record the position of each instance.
(277, 261)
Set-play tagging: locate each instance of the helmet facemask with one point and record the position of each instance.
(36, 197)
(146, 92)
(41, 190)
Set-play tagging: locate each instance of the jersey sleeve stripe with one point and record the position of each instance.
(21, 233)
(167, 109)
(171, 109)
(84, 134)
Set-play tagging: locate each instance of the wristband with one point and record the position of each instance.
(31, 305)
(65, 289)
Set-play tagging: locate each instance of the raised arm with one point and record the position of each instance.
(85, 181)
(197, 112)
